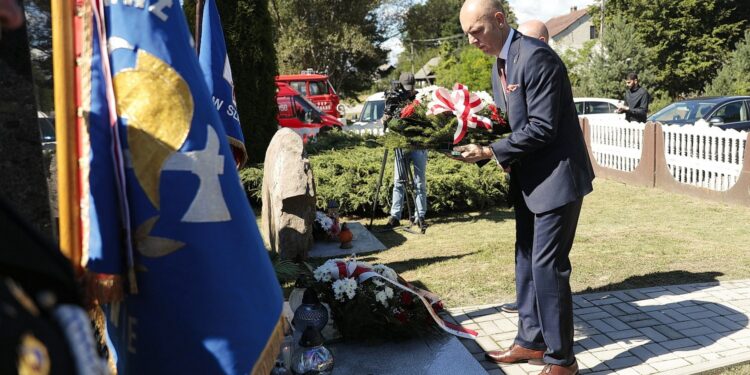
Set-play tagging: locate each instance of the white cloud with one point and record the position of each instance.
(544, 10)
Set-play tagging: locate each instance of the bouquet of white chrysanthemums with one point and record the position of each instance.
(370, 300)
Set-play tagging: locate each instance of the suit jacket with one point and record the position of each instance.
(546, 151)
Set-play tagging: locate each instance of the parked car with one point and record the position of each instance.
(598, 108)
(300, 114)
(317, 89)
(727, 112)
(47, 131)
(372, 113)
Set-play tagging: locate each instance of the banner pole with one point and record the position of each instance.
(198, 25)
(65, 131)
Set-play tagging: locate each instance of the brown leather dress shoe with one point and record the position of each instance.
(560, 370)
(515, 354)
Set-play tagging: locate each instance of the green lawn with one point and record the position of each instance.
(742, 369)
(628, 237)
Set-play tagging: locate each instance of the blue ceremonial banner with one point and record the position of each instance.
(208, 301)
(101, 205)
(218, 74)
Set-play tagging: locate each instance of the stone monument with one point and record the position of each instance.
(288, 196)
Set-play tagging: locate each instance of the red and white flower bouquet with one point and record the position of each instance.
(442, 118)
(370, 301)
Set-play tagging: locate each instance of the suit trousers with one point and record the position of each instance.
(545, 304)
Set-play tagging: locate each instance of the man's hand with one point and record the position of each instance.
(473, 153)
(621, 108)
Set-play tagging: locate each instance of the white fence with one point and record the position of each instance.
(704, 156)
(616, 144)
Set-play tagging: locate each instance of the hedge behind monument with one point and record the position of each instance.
(346, 169)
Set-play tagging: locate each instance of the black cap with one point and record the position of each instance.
(407, 80)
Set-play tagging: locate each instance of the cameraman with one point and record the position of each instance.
(418, 158)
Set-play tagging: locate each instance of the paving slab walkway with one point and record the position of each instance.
(680, 329)
(438, 355)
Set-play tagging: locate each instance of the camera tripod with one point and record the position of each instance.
(406, 178)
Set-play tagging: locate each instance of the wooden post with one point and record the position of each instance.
(65, 113)
(199, 4)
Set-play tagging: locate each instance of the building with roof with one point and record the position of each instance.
(383, 71)
(426, 75)
(571, 30)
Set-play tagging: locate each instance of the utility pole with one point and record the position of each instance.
(24, 182)
(601, 21)
(412, 57)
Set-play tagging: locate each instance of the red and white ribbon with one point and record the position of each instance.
(464, 105)
(352, 269)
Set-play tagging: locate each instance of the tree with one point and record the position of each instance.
(471, 67)
(433, 19)
(438, 18)
(420, 57)
(577, 61)
(510, 16)
(684, 39)
(248, 30)
(39, 27)
(733, 76)
(24, 183)
(620, 51)
(341, 37)
(391, 15)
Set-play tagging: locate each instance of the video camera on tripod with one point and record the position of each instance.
(395, 99)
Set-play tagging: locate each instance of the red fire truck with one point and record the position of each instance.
(317, 89)
(297, 113)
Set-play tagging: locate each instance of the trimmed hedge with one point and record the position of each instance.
(346, 168)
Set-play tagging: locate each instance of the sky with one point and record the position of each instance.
(524, 9)
(544, 10)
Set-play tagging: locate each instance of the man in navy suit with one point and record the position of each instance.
(550, 172)
(534, 29)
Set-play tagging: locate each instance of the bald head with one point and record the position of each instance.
(487, 6)
(535, 29)
(483, 21)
